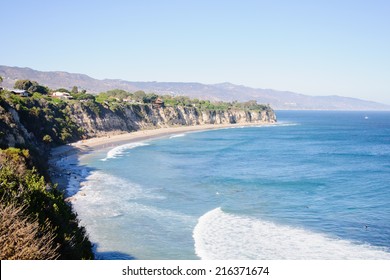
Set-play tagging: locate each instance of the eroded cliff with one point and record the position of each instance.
(135, 117)
(42, 123)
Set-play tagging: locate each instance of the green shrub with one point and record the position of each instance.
(43, 203)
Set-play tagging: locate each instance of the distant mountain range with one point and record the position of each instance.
(282, 100)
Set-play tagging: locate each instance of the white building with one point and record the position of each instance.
(61, 95)
(21, 92)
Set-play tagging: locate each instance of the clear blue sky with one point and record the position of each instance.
(311, 47)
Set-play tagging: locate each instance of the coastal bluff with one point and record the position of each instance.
(129, 118)
(43, 124)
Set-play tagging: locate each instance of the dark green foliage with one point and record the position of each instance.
(116, 95)
(75, 90)
(46, 118)
(83, 96)
(31, 86)
(102, 97)
(92, 107)
(23, 84)
(49, 117)
(62, 90)
(22, 185)
(149, 98)
(139, 97)
(38, 88)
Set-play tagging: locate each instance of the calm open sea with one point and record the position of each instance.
(314, 186)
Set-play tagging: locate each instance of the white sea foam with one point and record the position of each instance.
(235, 127)
(278, 124)
(121, 216)
(104, 195)
(286, 124)
(219, 235)
(177, 135)
(114, 187)
(118, 151)
(74, 181)
(69, 167)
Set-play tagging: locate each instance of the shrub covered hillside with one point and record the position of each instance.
(35, 221)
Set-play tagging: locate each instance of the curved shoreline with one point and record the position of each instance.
(97, 143)
(62, 158)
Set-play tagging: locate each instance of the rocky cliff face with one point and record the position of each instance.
(12, 131)
(40, 123)
(135, 117)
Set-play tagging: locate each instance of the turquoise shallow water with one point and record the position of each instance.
(314, 186)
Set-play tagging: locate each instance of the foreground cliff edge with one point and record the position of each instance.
(31, 126)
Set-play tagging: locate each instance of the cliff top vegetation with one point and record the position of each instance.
(118, 96)
(140, 97)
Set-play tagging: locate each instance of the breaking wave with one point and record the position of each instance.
(103, 194)
(177, 135)
(219, 235)
(119, 151)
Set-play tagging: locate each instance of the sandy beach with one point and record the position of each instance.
(64, 160)
(85, 146)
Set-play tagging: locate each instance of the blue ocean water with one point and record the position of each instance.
(314, 186)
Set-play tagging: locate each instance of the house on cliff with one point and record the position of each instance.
(62, 95)
(20, 92)
(158, 103)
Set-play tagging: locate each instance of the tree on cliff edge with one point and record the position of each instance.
(30, 86)
(23, 84)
